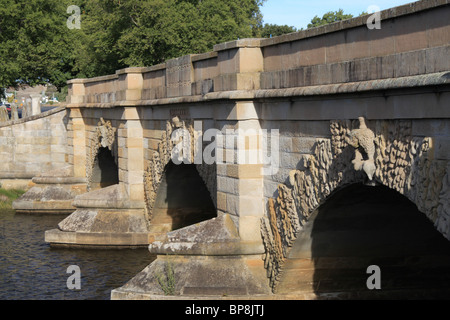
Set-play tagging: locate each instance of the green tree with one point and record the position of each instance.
(276, 30)
(143, 33)
(329, 17)
(36, 46)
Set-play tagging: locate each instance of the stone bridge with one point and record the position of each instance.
(228, 164)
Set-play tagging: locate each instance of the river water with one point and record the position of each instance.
(31, 270)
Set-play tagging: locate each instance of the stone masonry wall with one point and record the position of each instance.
(31, 146)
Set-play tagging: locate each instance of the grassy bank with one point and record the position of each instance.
(8, 196)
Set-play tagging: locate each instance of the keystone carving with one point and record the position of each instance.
(362, 140)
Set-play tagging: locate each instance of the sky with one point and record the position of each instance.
(298, 13)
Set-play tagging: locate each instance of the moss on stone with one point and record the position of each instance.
(8, 196)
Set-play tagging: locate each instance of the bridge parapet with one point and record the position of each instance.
(413, 40)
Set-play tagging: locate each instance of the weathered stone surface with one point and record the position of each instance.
(52, 192)
(96, 240)
(50, 198)
(200, 276)
(80, 220)
(110, 197)
(103, 217)
(104, 221)
(217, 236)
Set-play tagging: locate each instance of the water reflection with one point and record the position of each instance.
(30, 269)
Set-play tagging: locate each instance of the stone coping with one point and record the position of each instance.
(53, 207)
(18, 175)
(240, 43)
(34, 117)
(58, 180)
(432, 79)
(95, 79)
(391, 13)
(96, 240)
(204, 56)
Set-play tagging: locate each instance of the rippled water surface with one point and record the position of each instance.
(30, 269)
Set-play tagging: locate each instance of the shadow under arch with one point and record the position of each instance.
(359, 226)
(182, 198)
(105, 171)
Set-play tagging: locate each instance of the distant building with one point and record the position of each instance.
(23, 93)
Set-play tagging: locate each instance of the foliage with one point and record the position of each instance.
(273, 30)
(168, 282)
(8, 196)
(144, 33)
(36, 47)
(329, 17)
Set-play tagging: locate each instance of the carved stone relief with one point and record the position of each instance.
(185, 142)
(362, 140)
(390, 156)
(103, 136)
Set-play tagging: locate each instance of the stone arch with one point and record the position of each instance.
(101, 159)
(360, 226)
(182, 198)
(397, 160)
(161, 160)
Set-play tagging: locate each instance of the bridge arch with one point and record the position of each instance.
(182, 198)
(105, 171)
(359, 226)
(403, 163)
(178, 195)
(101, 162)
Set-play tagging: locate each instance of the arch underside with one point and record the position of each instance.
(168, 198)
(361, 226)
(403, 163)
(105, 171)
(101, 161)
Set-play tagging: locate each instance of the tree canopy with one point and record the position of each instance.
(38, 47)
(35, 44)
(273, 30)
(330, 17)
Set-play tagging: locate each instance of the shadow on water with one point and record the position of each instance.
(31, 269)
(360, 226)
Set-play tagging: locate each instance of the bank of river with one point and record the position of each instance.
(31, 269)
